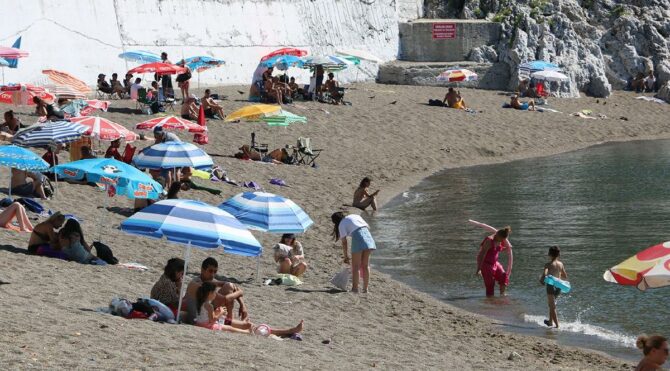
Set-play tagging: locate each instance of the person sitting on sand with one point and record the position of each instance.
(113, 150)
(175, 187)
(226, 296)
(362, 196)
(44, 109)
(453, 99)
(86, 153)
(189, 110)
(167, 288)
(15, 210)
(638, 83)
(290, 255)
(22, 187)
(524, 106)
(72, 244)
(212, 109)
(655, 350)
(44, 238)
(332, 86)
(185, 176)
(273, 90)
(162, 136)
(11, 124)
(103, 85)
(650, 82)
(267, 74)
(207, 316)
(295, 88)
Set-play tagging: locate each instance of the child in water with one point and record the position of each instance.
(555, 268)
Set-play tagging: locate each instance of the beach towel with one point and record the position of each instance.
(545, 109)
(279, 182)
(252, 185)
(289, 279)
(134, 266)
(652, 99)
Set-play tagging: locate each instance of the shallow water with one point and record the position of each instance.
(600, 205)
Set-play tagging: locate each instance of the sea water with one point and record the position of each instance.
(599, 205)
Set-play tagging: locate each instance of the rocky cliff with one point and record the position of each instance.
(600, 44)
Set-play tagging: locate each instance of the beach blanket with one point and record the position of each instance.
(544, 109)
(279, 182)
(652, 99)
(134, 266)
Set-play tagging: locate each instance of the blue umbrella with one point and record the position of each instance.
(267, 212)
(49, 134)
(170, 155)
(528, 68)
(3, 63)
(127, 180)
(193, 223)
(201, 62)
(140, 56)
(22, 159)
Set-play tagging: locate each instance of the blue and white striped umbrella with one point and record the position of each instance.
(21, 158)
(195, 223)
(267, 212)
(49, 134)
(170, 155)
(528, 68)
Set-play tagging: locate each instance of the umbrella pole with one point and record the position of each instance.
(10, 182)
(101, 215)
(187, 255)
(258, 270)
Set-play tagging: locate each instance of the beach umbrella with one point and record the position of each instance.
(549, 75)
(104, 129)
(12, 53)
(526, 69)
(65, 92)
(328, 62)
(253, 111)
(285, 51)
(194, 223)
(457, 75)
(140, 56)
(22, 94)
(171, 155)
(201, 63)
(159, 68)
(51, 133)
(171, 123)
(283, 118)
(267, 212)
(3, 63)
(283, 62)
(65, 79)
(360, 54)
(647, 269)
(15, 157)
(81, 107)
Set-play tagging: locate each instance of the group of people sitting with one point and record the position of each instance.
(191, 106)
(282, 89)
(532, 88)
(209, 302)
(278, 156)
(115, 86)
(641, 83)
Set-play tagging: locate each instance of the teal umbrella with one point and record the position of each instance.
(283, 118)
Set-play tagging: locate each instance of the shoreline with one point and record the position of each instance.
(398, 145)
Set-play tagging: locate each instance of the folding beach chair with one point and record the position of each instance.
(128, 153)
(142, 100)
(306, 155)
(262, 148)
(167, 102)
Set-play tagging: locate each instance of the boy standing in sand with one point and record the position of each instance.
(555, 268)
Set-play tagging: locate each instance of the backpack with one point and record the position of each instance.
(105, 253)
(184, 76)
(435, 102)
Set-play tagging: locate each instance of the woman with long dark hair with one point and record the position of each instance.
(362, 246)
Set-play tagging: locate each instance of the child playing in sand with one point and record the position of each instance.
(208, 317)
(555, 268)
(362, 196)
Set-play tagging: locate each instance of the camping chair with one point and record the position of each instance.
(306, 155)
(262, 148)
(128, 153)
(99, 94)
(167, 102)
(142, 100)
(539, 90)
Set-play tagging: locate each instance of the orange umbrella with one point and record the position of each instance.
(64, 78)
(649, 268)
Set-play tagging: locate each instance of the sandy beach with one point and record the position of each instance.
(388, 133)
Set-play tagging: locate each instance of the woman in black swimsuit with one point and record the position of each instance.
(44, 239)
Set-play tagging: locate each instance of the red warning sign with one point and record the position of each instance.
(444, 30)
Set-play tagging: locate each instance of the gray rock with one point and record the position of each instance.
(664, 92)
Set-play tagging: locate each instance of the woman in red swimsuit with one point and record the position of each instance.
(488, 265)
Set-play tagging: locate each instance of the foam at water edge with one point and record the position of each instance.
(586, 329)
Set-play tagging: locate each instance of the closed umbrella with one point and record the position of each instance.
(15, 157)
(171, 155)
(104, 129)
(549, 75)
(193, 223)
(171, 123)
(253, 111)
(267, 212)
(647, 269)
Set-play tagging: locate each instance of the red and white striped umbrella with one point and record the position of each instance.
(65, 91)
(12, 53)
(64, 78)
(94, 104)
(22, 94)
(457, 75)
(104, 129)
(171, 123)
(159, 68)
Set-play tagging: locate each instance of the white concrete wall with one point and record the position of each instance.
(84, 37)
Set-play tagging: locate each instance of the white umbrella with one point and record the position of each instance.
(549, 75)
(360, 54)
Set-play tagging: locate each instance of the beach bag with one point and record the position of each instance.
(105, 253)
(435, 102)
(341, 279)
(184, 76)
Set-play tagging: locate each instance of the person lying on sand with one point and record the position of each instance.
(207, 316)
(186, 176)
(362, 196)
(516, 104)
(15, 210)
(22, 187)
(44, 239)
(226, 296)
(453, 99)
